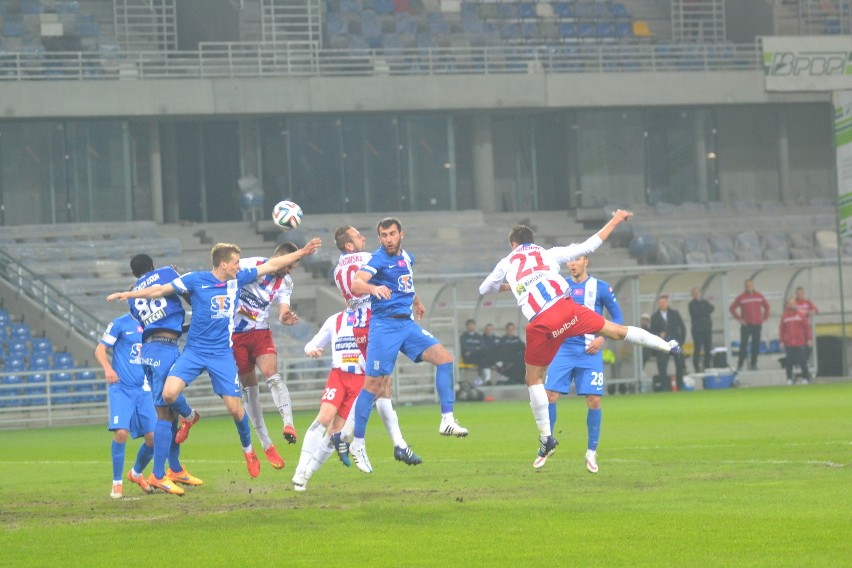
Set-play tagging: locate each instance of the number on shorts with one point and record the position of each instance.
(597, 378)
(329, 394)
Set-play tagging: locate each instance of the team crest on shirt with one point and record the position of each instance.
(520, 289)
(404, 283)
(221, 306)
(136, 354)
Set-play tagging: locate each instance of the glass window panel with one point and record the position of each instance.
(429, 166)
(611, 157)
(316, 164)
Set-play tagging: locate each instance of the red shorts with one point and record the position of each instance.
(361, 334)
(249, 345)
(550, 328)
(341, 390)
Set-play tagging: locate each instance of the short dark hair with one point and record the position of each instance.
(473, 321)
(521, 234)
(285, 248)
(341, 236)
(387, 222)
(141, 264)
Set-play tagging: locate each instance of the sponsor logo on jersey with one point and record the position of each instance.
(404, 283)
(350, 359)
(154, 316)
(564, 327)
(344, 343)
(252, 300)
(136, 354)
(401, 263)
(520, 289)
(222, 306)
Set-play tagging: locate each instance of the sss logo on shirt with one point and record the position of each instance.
(136, 354)
(405, 283)
(221, 306)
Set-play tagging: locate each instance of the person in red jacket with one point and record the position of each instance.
(750, 309)
(795, 334)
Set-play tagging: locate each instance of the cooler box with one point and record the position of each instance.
(719, 378)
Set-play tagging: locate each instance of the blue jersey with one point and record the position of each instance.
(124, 336)
(158, 314)
(213, 306)
(396, 273)
(596, 295)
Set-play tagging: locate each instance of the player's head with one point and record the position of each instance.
(141, 264)
(578, 267)
(470, 325)
(520, 235)
(349, 239)
(282, 249)
(390, 235)
(226, 257)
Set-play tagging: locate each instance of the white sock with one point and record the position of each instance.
(281, 396)
(644, 338)
(391, 420)
(247, 449)
(348, 430)
(448, 417)
(357, 443)
(310, 442)
(321, 455)
(251, 395)
(539, 404)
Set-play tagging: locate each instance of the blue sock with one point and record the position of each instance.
(117, 460)
(244, 429)
(162, 442)
(174, 450)
(444, 386)
(551, 410)
(181, 406)
(362, 409)
(143, 458)
(593, 422)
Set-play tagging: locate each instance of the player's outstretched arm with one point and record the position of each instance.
(618, 217)
(276, 263)
(157, 291)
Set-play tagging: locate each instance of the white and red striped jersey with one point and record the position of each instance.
(256, 298)
(348, 264)
(532, 273)
(337, 330)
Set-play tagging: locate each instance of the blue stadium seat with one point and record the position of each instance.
(619, 11)
(20, 330)
(41, 346)
(605, 29)
(510, 31)
(437, 23)
(14, 364)
(334, 24)
(32, 7)
(36, 384)
(63, 360)
(17, 348)
(583, 10)
(370, 25)
(509, 10)
(67, 7)
(472, 25)
(587, 29)
(383, 6)
(350, 7)
(526, 10)
(405, 23)
(530, 31)
(9, 395)
(600, 10)
(564, 10)
(623, 29)
(39, 363)
(4, 316)
(568, 30)
(60, 388)
(84, 387)
(425, 40)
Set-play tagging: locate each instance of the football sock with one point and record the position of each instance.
(281, 397)
(244, 430)
(363, 407)
(385, 408)
(117, 461)
(539, 403)
(251, 395)
(639, 336)
(174, 450)
(181, 406)
(163, 439)
(593, 422)
(321, 455)
(348, 430)
(551, 411)
(143, 457)
(310, 442)
(444, 386)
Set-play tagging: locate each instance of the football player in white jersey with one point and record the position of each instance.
(253, 346)
(531, 272)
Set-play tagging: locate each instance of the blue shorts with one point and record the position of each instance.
(157, 360)
(131, 409)
(221, 368)
(587, 380)
(388, 338)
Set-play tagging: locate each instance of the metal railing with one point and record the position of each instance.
(247, 60)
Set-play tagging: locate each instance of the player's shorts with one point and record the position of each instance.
(389, 337)
(587, 381)
(249, 345)
(546, 332)
(158, 356)
(341, 390)
(221, 368)
(131, 409)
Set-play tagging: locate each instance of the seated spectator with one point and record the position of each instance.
(470, 343)
(490, 352)
(512, 356)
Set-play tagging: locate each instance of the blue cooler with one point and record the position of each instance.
(719, 378)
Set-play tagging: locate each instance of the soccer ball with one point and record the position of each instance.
(287, 215)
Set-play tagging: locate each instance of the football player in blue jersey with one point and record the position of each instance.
(162, 321)
(580, 358)
(131, 409)
(389, 279)
(214, 297)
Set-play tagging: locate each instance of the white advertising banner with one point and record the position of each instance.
(843, 147)
(807, 63)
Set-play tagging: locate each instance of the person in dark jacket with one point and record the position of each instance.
(667, 323)
(700, 311)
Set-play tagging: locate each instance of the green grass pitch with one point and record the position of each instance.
(737, 477)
